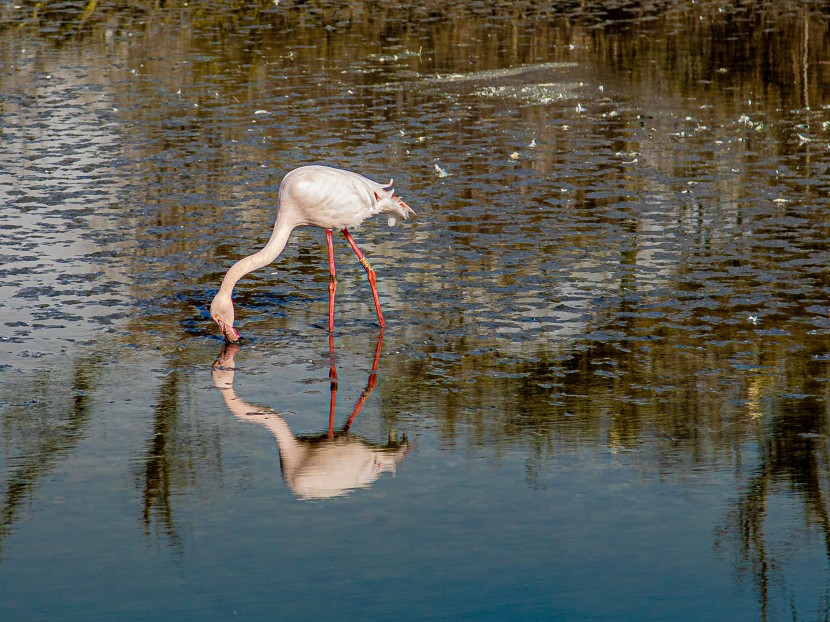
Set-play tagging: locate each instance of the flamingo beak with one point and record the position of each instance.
(225, 358)
(230, 334)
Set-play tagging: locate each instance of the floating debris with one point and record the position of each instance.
(534, 93)
(744, 119)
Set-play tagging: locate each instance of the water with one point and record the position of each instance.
(603, 389)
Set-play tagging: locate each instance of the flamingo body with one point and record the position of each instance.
(332, 198)
(318, 196)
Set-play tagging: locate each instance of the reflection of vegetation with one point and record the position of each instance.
(669, 400)
(793, 454)
(666, 406)
(160, 461)
(40, 428)
(770, 43)
(180, 455)
(787, 58)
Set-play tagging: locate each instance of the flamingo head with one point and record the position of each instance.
(221, 310)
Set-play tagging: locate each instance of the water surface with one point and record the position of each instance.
(603, 390)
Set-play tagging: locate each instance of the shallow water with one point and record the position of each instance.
(603, 389)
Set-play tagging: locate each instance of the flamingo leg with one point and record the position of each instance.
(333, 382)
(370, 273)
(332, 280)
(370, 386)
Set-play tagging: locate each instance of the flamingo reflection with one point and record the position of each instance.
(325, 465)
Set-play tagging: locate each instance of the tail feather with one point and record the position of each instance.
(388, 201)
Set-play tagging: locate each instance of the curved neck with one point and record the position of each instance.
(291, 450)
(276, 244)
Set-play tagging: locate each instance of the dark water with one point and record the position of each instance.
(603, 389)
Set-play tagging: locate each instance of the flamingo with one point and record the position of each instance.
(319, 196)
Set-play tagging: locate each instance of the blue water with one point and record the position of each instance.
(458, 531)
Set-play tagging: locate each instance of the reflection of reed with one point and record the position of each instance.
(55, 437)
(320, 466)
(796, 453)
(159, 463)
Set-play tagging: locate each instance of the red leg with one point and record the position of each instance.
(333, 382)
(369, 273)
(370, 386)
(332, 280)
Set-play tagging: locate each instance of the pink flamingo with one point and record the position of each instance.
(319, 196)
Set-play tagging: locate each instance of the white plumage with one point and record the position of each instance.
(336, 199)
